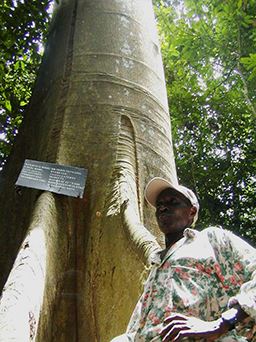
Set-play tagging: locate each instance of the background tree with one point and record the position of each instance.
(99, 102)
(210, 65)
(23, 31)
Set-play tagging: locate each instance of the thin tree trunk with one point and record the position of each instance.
(100, 103)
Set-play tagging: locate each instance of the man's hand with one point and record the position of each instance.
(178, 326)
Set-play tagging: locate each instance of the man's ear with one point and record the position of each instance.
(193, 211)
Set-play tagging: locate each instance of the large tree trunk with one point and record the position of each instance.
(100, 103)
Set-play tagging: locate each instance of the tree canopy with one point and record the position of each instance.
(23, 31)
(210, 63)
(208, 50)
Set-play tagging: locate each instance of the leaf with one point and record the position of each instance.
(8, 105)
(249, 62)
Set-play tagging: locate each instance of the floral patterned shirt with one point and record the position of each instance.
(202, 275)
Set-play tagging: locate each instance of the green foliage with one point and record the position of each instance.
(250, 64)
(208, 48)
(23, 30)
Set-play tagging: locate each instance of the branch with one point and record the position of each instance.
(126, 196)
(240, 73)
(246, 92)
(142, 240)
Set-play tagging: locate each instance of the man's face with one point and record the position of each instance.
(174, 211)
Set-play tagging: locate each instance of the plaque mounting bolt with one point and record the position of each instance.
(98, 214)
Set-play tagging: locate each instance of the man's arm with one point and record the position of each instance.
(233, 316)
(178, 326)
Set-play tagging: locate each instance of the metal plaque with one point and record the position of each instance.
(61, 179)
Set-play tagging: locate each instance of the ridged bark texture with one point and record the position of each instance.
(100, 103)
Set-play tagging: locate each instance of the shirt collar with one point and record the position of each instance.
(188, 234)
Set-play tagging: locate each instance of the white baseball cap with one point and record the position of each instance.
(156, 185)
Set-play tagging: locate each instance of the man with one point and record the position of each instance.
(203, 286)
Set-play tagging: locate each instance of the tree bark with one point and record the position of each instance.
(100, 103)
